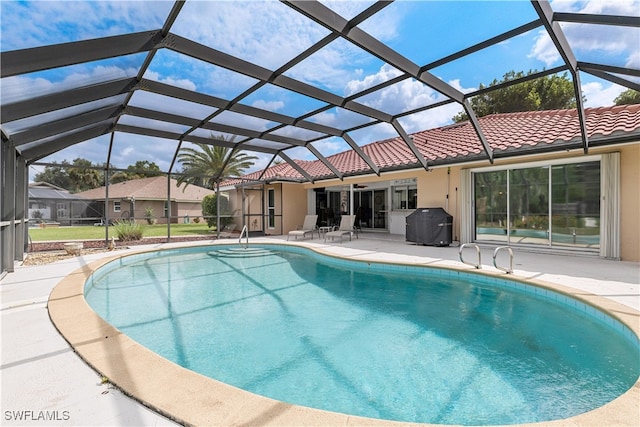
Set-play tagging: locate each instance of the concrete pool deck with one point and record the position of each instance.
(44, 382)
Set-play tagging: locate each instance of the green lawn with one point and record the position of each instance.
(90, 232)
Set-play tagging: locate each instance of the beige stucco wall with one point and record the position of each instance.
(192, 209)
(630, 202)
(294, 206)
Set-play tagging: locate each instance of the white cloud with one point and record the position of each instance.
(587, 38)
(126, 151)
(633, 61)
(385, 73)
(268, 105)
(617, 7)
(430, 119)
(331, 146)
(544, 49)
(49, 22)
(266, 33)
(17, 88)
(598, 95)
(183, 83)
(407, 95)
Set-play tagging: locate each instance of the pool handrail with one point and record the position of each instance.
(244, 231)
(478, 265)
(495, 253)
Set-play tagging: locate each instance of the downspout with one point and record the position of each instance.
(446, 201)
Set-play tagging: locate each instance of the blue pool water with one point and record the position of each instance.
(392, 342)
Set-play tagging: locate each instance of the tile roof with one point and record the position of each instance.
(154, 188)
(44, 190)
(508, 134)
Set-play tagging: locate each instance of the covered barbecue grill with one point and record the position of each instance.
(429, 226)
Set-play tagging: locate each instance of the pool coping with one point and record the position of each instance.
(190, 398)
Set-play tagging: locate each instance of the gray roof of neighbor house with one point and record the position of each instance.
(509, 133)
(154, 188)
(44, 190)
(39, 123)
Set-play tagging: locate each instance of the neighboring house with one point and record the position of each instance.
(541, 192)
(49, 203)
(135, 198)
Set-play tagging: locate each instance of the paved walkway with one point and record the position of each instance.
(45, 383)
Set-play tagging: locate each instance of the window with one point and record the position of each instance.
(61, 210)
(116, 206)
(271, 207)
(165, 213)
(405, 197)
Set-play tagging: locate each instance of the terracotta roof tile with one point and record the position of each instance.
(505, 132)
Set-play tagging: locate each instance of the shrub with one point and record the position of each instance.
(210, 210)
(148, 214)
(127, 230)
(38, 216)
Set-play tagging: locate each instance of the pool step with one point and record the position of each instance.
(241, 252)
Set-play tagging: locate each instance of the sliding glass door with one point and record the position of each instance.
(529, 206)
(576, 205)
(370, 208)
(491, 206)
(547, 205)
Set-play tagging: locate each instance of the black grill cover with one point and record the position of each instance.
(429, 226)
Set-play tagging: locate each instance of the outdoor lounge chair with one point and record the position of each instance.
(346, 228)
(309, 226)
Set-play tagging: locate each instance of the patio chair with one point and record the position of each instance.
(346, 228)
(309, 226)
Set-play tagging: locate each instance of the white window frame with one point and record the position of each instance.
(117, 207)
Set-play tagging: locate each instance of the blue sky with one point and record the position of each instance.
(269, 34)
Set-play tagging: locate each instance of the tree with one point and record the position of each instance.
(210, 210)
(628, 97)
(83, 177)
(55, 175)
(205, 165)
(143, 169)
(79, 175)
(545, 93)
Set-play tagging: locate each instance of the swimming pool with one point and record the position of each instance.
(287, 332)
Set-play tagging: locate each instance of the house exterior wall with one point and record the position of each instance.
(294, 207)
(435, 185)
(141, 209)
(178, 211)
(188, 211)
(630, 202)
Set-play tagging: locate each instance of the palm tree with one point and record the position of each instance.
(209, 164)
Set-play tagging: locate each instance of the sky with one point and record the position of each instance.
(269, 34)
